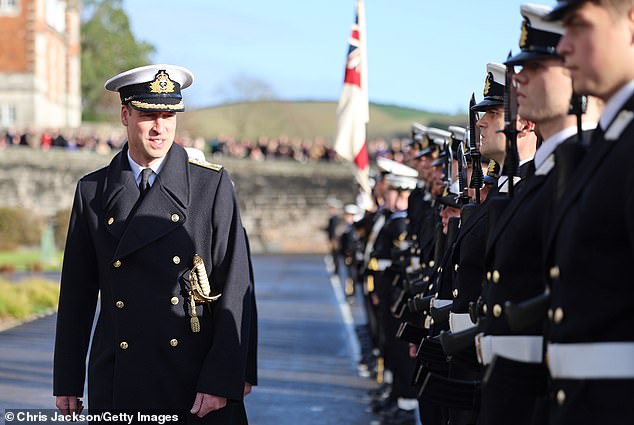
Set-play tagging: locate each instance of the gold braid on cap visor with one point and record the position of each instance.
(146, 105)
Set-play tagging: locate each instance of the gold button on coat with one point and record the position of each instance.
(123, 345)
(176, 259)
(174, 300)
(456, 267)
(117, 264)
(561, 397)
(175, 218)
(431, 285)
(119, 304)
(559, 315)
(455, 293)
(497, 310)
(489, 276)
(495, 276)
(554, 272)
(110, 220)
(173, 342)
(550, 314)
(484, 309)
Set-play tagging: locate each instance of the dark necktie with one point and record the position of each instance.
(145, 180)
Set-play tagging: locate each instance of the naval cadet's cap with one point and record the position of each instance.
(457, 132)
(450, 196)
(388, 166)
(562, 7)
(152, 87)
(460, 135)
(418, 138)
(539, 37)
(351, 209)
(400, 182)
(493, 88)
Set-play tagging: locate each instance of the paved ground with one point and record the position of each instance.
(307, 369)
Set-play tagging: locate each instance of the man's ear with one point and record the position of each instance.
(526, 127)
(124, 115)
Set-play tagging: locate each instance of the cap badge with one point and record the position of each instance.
(162, 83)
(524, 35)
(487, 83)
(425, 142)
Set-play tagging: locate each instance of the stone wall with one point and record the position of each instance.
(282, 202)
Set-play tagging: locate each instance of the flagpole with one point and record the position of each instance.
(353, 108)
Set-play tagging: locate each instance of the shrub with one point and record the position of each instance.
(23, 299)
(18, 227)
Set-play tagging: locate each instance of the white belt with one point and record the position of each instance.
(383, 264)
(435, 302)
(602, 360)
(520, 348)
(460, 322)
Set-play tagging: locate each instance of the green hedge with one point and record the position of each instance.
(24, 299)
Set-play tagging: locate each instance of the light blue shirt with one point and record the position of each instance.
(136, 169)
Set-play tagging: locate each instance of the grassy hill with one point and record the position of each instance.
(302, 119)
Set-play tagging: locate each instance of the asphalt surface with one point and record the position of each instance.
(307, 351)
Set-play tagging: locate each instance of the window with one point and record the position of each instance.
(8, 6)
(56, 14)
(8, 115)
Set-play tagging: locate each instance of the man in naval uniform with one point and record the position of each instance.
(591, 334)
(516, 380)
(158, 239)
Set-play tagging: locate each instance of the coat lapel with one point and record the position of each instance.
(163, 208)
(120, 194)
(599, 148)
(531, 184)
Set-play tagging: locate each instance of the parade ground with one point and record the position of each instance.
(307, 351)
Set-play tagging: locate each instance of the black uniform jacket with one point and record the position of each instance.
(136, 260)
(590, 250)
(468, 260)
(515, 252)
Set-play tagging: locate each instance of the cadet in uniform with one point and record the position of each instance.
(493, 142)
(516, 380)
(401, 401)
(591, 334)
(158, 239)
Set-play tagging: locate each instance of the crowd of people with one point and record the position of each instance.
(263, 148)
(491, 266)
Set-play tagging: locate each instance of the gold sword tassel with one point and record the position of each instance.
(193, 321)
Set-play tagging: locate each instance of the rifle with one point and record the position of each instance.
(458, 136)
(578, 105)
(477, 177)
(512, 160)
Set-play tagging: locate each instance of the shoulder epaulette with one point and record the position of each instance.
(215, 167)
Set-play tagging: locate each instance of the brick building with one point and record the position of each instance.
(39, 64)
